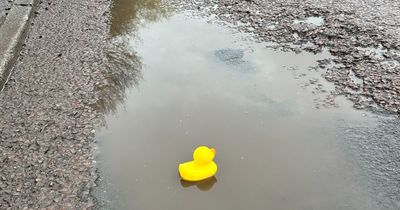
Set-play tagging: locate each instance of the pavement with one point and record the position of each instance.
(15, 17)
(48, 108)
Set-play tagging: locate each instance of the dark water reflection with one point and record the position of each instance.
(123, 64)
(123, 71)
(204, 185)
(126, 15)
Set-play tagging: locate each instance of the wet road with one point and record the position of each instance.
(70, 74)
(365, 40)
(251, 102)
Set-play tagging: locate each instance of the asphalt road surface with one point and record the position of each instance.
(61, 85)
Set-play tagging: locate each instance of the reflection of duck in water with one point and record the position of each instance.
(203, 185)
(202, 166)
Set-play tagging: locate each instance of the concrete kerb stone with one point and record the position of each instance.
(12, 35)
(4, 7)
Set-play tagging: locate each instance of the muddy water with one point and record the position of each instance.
(262, 109)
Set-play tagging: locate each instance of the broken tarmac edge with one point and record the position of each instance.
(13, 32)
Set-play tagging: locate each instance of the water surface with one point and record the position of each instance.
(313, 20)
(203, 84)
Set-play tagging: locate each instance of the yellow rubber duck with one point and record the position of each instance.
(202, 166)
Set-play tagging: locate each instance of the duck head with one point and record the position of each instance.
(203, 155)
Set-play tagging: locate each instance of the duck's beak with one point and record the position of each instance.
(214, 151)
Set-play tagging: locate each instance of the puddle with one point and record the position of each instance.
(204, 85)
(356, 80)
(374, 52)
(314, 20)
(127, 15)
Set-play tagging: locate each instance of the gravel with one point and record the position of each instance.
(362, 35)
(49, 108)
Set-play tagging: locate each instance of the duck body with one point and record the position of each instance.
(190, 171)
(202, 166)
